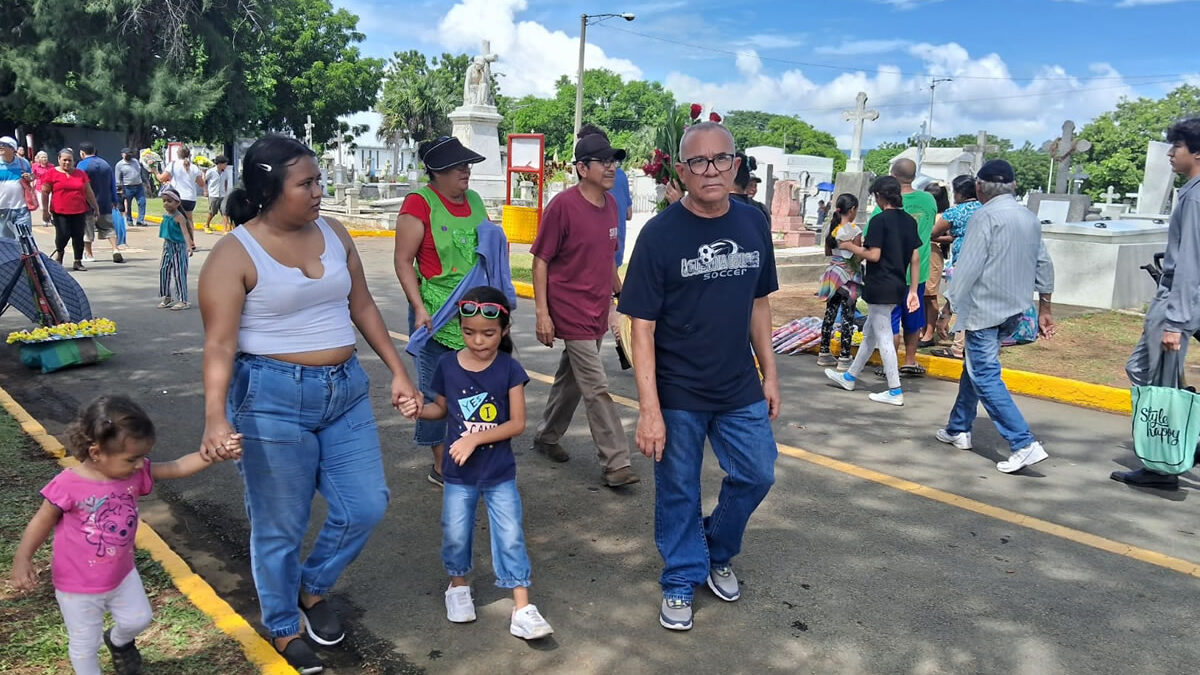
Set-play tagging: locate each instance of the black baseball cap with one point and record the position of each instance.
(996, 171)
(446, 152)
(597, 146)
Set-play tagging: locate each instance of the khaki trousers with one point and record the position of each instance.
(581, 375)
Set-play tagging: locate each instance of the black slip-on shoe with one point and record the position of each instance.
(322, 624)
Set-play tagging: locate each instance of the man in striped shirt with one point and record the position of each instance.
(1002, 262)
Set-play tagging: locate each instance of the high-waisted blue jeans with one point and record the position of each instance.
(306, 429)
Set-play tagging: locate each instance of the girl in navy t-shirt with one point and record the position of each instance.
(482, 389)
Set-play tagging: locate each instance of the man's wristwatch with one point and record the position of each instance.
(617, 295)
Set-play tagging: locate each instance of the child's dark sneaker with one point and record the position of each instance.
(301, 657)
(322, 624)
(826, 359)
(127, 660)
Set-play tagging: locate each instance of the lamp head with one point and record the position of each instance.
(628, 16)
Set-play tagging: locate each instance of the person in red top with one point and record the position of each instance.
(435, 229)
(72, 195)
(574, 281)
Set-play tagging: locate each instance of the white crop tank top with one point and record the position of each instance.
(287, 312)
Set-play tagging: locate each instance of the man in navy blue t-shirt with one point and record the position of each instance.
(696, 289)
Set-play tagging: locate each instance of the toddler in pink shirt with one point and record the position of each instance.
(92, 510)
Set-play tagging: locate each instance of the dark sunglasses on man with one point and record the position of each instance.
(489, 310)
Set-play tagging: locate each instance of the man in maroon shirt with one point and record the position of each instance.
(574, 281)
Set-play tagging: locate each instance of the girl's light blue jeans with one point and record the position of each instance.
(509, 558)
(305, 429)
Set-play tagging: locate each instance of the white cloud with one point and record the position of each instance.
(982, 96)
(860, 47)
(532, 57)
(773, 41)
(1142, 3)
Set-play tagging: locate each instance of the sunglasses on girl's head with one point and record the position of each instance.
(489, 310)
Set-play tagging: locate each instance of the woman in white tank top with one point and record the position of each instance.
(281, 299)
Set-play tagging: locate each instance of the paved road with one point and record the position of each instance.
(841, 574)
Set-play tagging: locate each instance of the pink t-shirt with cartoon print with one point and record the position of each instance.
(93, 541)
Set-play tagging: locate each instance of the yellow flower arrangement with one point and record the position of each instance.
(64, 331)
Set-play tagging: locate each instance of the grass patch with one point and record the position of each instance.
(182, 640)
(1089, 346)
(522, 267)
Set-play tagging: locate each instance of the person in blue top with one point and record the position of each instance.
(481, 389)
(696, 291)
(104, 184)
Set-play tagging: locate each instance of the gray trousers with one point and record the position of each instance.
(1144, 362)
(581, 375)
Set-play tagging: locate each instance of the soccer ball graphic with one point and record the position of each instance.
(706, 253)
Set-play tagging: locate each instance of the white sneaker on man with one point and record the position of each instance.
(961, 440)
(460, 608)
(1026, 456)
(887, 397)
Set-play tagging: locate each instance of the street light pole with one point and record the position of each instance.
(579, 79)
(932, 86)
(583, 24)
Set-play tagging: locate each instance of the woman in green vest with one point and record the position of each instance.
(435, 249)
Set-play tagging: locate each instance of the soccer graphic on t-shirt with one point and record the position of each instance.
(721, 258)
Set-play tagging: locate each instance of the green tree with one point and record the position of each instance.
(1030, 165)
(1119, 138)
(307, 63)
(795, 136)
(418, 94)
(878, 159)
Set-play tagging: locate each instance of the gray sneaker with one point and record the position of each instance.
(724, 583)
(675, 614)
(826, 359)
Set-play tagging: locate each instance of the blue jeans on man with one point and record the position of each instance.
(690, 543)
(129, 195)
(981, 383)
(15, 221)
(305, 429)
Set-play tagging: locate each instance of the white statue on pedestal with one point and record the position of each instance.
(477, 89)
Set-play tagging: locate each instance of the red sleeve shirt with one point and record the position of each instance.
(68, 194)
(428, 262)
(577, 240)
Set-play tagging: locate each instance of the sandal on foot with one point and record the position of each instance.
(912, 371)
(946, 353)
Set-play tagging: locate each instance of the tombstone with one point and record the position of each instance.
(857, 184)
(476, 123)
(339, 193)
(1062, 149)
(979, 150)
(787, 219)
(352, 195)
(857, 116)
(1158, 180)
(1110, 208)
(1098, 263)
(1058, 208)
(339, 174)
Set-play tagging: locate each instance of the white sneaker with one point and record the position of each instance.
(961, 440)
(460, 608)
(887, 397)
(528, 624)
(1026, 456)
(840, 378)
(89, 258)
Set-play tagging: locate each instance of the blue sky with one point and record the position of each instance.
(1019, 67)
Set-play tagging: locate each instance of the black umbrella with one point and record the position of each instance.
(37, 286)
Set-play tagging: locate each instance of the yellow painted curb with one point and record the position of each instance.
(258, 651)
(523, 289)
(157, 220)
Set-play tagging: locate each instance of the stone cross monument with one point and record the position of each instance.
(308, 127)
(476, 123)
(980, 149)
(857, 116)
(1061, 149)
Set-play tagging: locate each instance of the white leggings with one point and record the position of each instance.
(877, 334)
(84, 615)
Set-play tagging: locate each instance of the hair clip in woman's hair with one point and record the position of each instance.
(265, 167)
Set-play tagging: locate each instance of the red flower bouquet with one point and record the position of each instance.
(661, 167)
